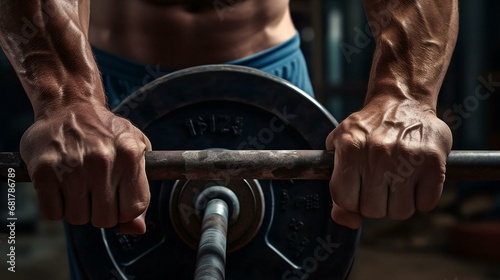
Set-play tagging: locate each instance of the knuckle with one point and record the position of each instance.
(147, 144)
(45, 161)
(443, 129)
(336, 132)
(431, 155)
(130, 150)
(28, 139)
(139, 207)
(133, 211)
(42, 166)
(73, 161)
(347, 204)
(429, 151)
(350, 143)
(105, 156)
(329, 142)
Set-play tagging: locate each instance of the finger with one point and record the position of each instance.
(432, 169)
(401, 204)
(74, 189)
(149, 147)
(50, 200)
(374, 187)
(133, 191)
(47, 184)
(345, 182)
(346, 218)
(136, 226)
(103, 191)
(329, 141)
(77, 199)
(429, 189)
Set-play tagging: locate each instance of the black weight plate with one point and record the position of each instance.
(228, 107)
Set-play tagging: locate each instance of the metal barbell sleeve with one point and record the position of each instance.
(211, 256)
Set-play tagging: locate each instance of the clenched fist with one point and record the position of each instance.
(390, 160)
(88, 165)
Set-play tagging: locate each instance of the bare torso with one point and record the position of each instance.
(181, 33)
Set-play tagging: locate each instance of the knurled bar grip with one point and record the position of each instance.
(267, 164)
(211, 258)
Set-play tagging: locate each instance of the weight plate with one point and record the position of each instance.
(237, 108)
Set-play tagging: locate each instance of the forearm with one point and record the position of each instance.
(46, 42)
(413, 48)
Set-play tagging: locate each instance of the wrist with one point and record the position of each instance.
(67, 103)
(385, 101)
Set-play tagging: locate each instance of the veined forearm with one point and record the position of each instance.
(414, 45)
(46, 42)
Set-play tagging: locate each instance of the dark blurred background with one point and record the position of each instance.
(460, 239)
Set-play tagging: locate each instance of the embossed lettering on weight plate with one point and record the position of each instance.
(307, 202)
(214, 124)
(295, 239)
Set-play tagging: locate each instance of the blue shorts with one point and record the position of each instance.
(121, 77)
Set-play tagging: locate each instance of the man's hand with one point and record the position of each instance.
(88, 165)
(390, 160)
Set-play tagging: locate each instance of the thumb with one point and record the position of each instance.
(329, 141)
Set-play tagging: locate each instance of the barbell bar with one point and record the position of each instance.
(266, 164)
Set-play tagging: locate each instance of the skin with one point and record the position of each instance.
(87, 164)
(390, 157)
(143, 30)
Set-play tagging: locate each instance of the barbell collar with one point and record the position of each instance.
(267, 164)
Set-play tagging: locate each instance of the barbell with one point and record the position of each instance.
(238, 172)
(269, 164)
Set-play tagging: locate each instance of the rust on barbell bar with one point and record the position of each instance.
(242, 164)
(267, 164)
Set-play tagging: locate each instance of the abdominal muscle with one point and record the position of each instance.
(186, 33)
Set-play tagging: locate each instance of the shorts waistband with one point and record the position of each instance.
(126, 69)
(271, 56)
